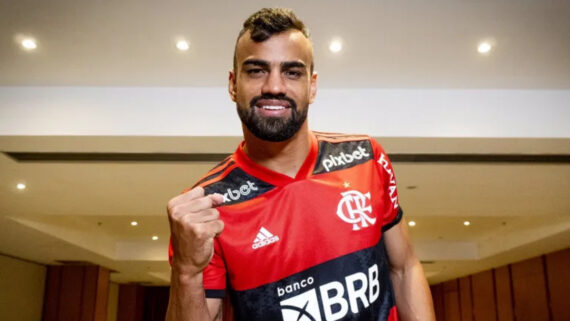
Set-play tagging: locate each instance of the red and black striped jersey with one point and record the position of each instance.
(308, 247)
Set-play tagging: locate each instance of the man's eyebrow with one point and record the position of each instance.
(292, 64)
(256, 62)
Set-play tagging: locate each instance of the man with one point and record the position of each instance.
(295, 225)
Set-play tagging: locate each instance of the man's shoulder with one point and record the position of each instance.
(341, 151)
(216, 172)
(232, 182)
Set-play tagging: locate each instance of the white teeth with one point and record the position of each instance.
(273, 107)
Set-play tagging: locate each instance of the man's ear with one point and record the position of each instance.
(313, 88)
(232, 85)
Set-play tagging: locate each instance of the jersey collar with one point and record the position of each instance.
(272, 177)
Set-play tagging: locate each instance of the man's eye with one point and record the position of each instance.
(255, 71)
(293, 74)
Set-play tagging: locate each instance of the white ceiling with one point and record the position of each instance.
(396, 44)
(81, 211)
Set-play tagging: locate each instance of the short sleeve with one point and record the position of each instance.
(391, 210)
(214, 275)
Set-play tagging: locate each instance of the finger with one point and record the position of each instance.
(211, 214)
(217, 199)
(214, 228)
(198, 204)
(201, 217)
(194, 193)
(186, 197)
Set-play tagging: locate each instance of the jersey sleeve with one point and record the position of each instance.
(391, 210)
(215, 275)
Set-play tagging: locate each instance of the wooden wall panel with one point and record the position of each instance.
(558, 272)
(482, 286)
(72, 291)
(503, 294)
(102, 298)
(89, 292)
(51, 296)
(451, 301)
(534, 289)
(465, 299)
(155, 303)
(131, 302)
(437, 295)
(529, 290)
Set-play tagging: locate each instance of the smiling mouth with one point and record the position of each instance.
(273, 107)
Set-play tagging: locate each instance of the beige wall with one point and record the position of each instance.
(21, 290)
(113, 301)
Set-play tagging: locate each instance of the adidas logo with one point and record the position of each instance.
(264, 238)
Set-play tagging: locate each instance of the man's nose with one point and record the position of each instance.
(274, 84)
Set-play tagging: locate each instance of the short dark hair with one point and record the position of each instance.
(269, 21)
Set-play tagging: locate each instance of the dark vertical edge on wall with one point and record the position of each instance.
(494, 278)
(546, 287)
(443, 302)
(503, 292)
(559, 283)
(512, 293)
(89, 292)
(437, 293)
(459, 299)
(471, 294)
(51, 294)
(102, 295)
(465, 291)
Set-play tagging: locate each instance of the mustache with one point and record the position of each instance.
(255, 99)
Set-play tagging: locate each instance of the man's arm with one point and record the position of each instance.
(188, 302)
(413, 297)
(194, 222)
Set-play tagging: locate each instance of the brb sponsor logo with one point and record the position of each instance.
(354, 208)
(236, 194)
(344, 159)
(337, 298)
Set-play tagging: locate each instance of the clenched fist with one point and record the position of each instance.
(194, 222)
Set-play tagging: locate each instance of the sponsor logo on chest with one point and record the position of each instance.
(264, 238)
(342, 159)
(236, 194)
(352, 294)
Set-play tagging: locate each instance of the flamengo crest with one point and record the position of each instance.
(354, 208)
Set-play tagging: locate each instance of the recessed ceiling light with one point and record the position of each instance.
(21, 186)
(335, 46)
(154, 237)
(484, 47)
(29, 44)
(182, 45)
(412, 223)
(134, 223)
(466, 223)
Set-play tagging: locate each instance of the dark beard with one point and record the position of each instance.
(273, 129)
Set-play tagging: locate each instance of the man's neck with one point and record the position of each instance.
(285, 157)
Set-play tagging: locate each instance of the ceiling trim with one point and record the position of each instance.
(78, 157)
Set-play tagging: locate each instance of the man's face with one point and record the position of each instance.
(273, 85)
